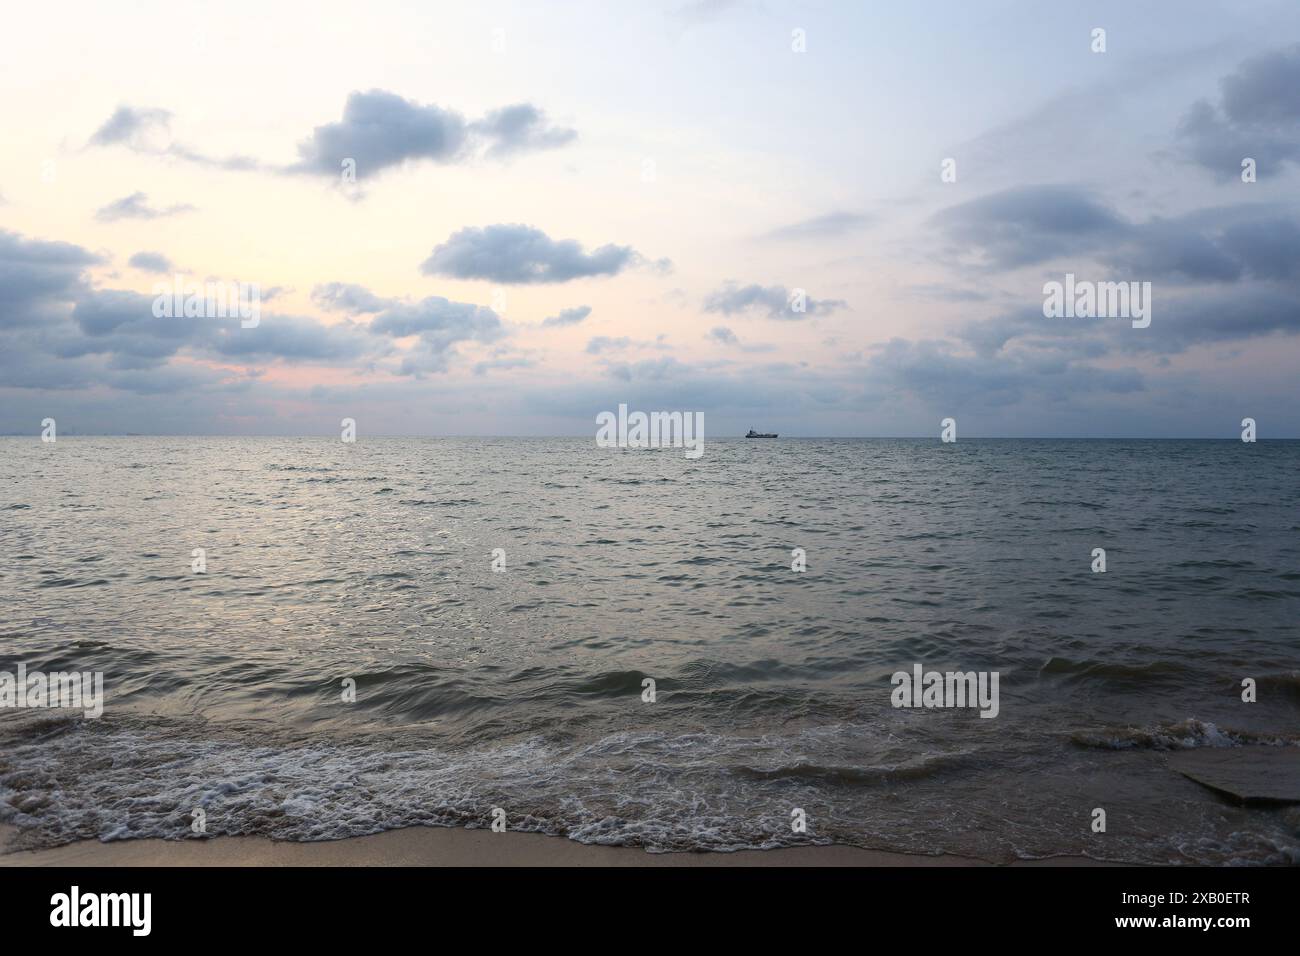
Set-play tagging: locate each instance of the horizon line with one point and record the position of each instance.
(37, 436)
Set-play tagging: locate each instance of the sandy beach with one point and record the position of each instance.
(437, 846)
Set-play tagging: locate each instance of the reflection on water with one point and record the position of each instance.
(523, 689)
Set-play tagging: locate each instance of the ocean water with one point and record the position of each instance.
(522, 689)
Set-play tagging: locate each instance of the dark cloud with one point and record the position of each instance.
(1258, 117)
(56, 332)
(948, 293)
(830, 226)
(136, 206)
(944, 377)
(1035, 224)
(1215, 317)
(31, 362)
(1269, 247)
(1264, 89)
(723, 335)
(567, 317)
(775, 302)
(151, 262)
(37, 253)
(37, 277)
(1244, 242)
(295, 338)
(122, 323)
(1169, 249)
(519, 254)
(1028, 224)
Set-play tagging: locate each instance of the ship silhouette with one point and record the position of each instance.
(753, 434)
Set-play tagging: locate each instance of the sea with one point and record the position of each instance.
(308, 639)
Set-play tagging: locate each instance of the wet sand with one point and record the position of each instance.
(438, 846)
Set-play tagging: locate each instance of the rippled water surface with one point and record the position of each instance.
(523, 689)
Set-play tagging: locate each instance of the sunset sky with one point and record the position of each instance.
(562, 207)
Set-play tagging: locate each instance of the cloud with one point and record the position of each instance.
(440, 324)
(56, 332)
(604, 343)
(131, 127)
(1222, 316)
(1263, 90)
(666, 369)
(378, 130)
(1169, 249)
(830, 226)
(567, 317)
(350, 298)
(1258, 116)
(151, 262)
(776, 302)
(122, 324)
(381, 129)
(149, 131)
(519, 254)
(1028, 224)
(722, 335)
(503, 360)
(136, 206)
(937, 373)
(947, 293)
(520, 128)
(296, 338)
(1214, 317)
(36, 277)
(1268, 247)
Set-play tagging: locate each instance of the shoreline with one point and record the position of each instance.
(448, 846)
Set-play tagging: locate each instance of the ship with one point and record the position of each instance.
(753, 434)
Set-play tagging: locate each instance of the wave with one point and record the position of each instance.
(1184, 735)
(923, 767)
(654, 789)
(1111, 671)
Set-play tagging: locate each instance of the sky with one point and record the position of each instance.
(822, 219)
